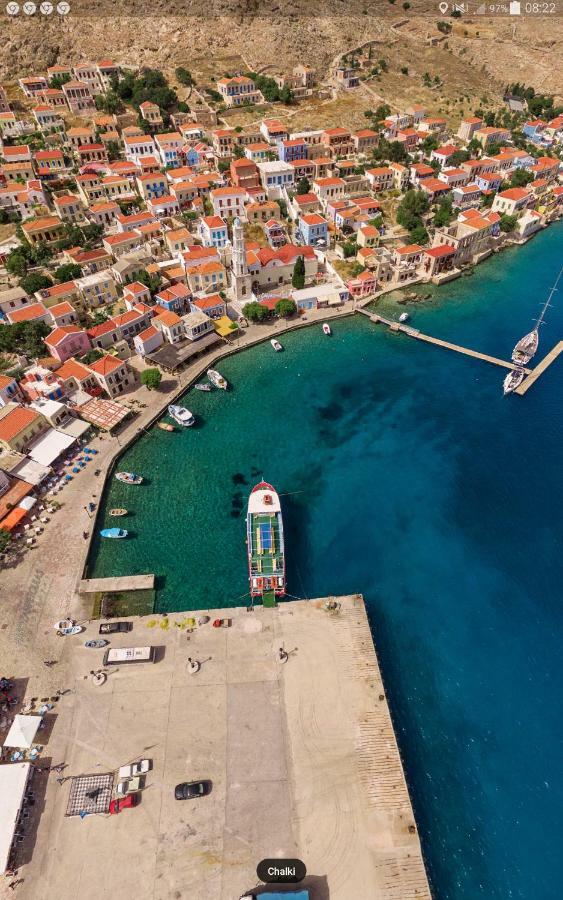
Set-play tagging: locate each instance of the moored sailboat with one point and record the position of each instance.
(513, 380)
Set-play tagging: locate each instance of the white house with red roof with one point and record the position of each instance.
(512, 201)
(212, 305)
(135, 293)
(270, 268)
(213, 232)
(113, 375)
(34, 313)
(63, 314)
(228, 201)
(137, 147)
(148, 340)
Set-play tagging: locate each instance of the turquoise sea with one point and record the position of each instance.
(408, 477)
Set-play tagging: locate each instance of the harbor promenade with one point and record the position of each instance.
(301, 755)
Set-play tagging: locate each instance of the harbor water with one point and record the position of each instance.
(407, 476)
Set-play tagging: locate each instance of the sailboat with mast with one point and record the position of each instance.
(527, 346)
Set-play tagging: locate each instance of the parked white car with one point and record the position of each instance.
(136, 768)
(127, 786)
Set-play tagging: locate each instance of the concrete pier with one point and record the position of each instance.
(301, 755)
(539, 369)
(446, 345)
(116, 584)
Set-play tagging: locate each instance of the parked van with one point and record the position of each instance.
(129, 655)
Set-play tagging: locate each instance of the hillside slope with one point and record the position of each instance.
(497, 49)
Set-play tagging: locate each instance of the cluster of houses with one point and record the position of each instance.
(196, 222)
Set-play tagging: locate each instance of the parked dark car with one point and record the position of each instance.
(115, 627)
(190, 790)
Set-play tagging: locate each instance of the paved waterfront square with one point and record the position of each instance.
(301, 756)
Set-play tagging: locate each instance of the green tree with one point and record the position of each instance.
(286, 95)
(382, 111)
(521, 177)
(419, 235)
(411, 209)
(68, 272)
(57, 81)
(255, 312)
(444, 213)
(151, 378)
(184, 76)
(303, 186)
(429, 144)
(153, 281)
(458, 157)
(5, 538)
(35, 282)
(286, 307)
(113, 150)
(397, 152)
(17, 262)
(508, 223)
(298, 277)
(24, 337)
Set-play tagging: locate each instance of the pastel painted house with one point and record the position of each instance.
(148, 341)
(67, 341)
(213, 232)
(9, 390)
(313, 229)
(113, 375)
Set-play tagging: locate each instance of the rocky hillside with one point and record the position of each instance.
(285, 34)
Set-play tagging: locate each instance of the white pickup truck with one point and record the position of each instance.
(136, 768)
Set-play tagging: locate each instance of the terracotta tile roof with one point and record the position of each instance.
(59, 334)
(28, 313)
(106, 365)
(15, 421)
(73, 369)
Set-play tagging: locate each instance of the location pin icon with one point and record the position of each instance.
(443, 7)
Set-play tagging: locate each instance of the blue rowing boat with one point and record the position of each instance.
(114, 533)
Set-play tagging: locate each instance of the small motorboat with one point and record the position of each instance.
(276, 345)
(118, 511)
(404, 317)
(165, 426)
(129, 477)
(67, 626)
(114, 533)
(181, 415)
(201, 386)
(96, 644)
(326, 328)
(217, 379)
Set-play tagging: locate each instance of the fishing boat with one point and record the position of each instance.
(201, 386)
(114, 533)
(276, 345)
(265, 544)
(129, 477)
(326, 328)
(513, 380)
(217, 379)
(526, 348)
(166, 426)
(96, 644)
(118, 511)
(181, 415)
(404, 317)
